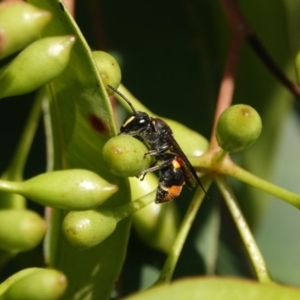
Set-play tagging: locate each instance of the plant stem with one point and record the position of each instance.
(170, 264)
(130, 208)
(228, 83)
(230, 168)
(16, 166)
(221, 155)
(238, 22)
(10, 186)
(210, 162)
(15, 169)
(262, 53)
(48, 129)
(246, 235)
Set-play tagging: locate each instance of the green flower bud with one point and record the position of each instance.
(12, 201)
(68, 189)
(36, 65)
(141, 188)
(20, 24)
(42, 284)
(239, 126)
(191, 142)
(15, 277)
(86, 229)
(157, 225)
(124, 156)
(73, 189)
(108, 68)
(20, 230)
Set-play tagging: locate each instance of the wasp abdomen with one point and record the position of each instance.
(170, 182)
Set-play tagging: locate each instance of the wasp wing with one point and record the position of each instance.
(188, 176)
(187, 166)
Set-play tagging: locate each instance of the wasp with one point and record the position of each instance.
(175, 168)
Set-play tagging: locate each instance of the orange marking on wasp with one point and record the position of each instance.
(175, 191)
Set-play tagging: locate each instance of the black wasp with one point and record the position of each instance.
(175, 169)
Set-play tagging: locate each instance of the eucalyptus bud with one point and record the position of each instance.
(42, 284)
(20, 24)
(86, 229)
(73, 189)
(156, 225)
(20, 230)
(15, 277)
(124, 156)
(36, 65)
(239, 126)
(108, 69)
(191, 142)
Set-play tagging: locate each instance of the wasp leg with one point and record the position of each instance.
(142, 175)
(155, 152)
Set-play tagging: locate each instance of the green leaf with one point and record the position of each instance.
(218, 289)
(82, 122)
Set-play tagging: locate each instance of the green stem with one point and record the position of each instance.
(246, 235)
(130, 208)
(221, 155)
(10, 186)
(247, 177)
(48, 128)
(210, 162)
(17, 164)
(170, 264)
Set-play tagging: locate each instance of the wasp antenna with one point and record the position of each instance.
(123, 97)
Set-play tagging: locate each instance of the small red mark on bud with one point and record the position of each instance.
(245, 112)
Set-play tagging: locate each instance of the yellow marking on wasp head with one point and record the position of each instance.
(129, 120)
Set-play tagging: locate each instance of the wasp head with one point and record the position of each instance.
(136, 124)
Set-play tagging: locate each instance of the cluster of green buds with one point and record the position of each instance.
(29, 63)
(22, 229)
(39, 61)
